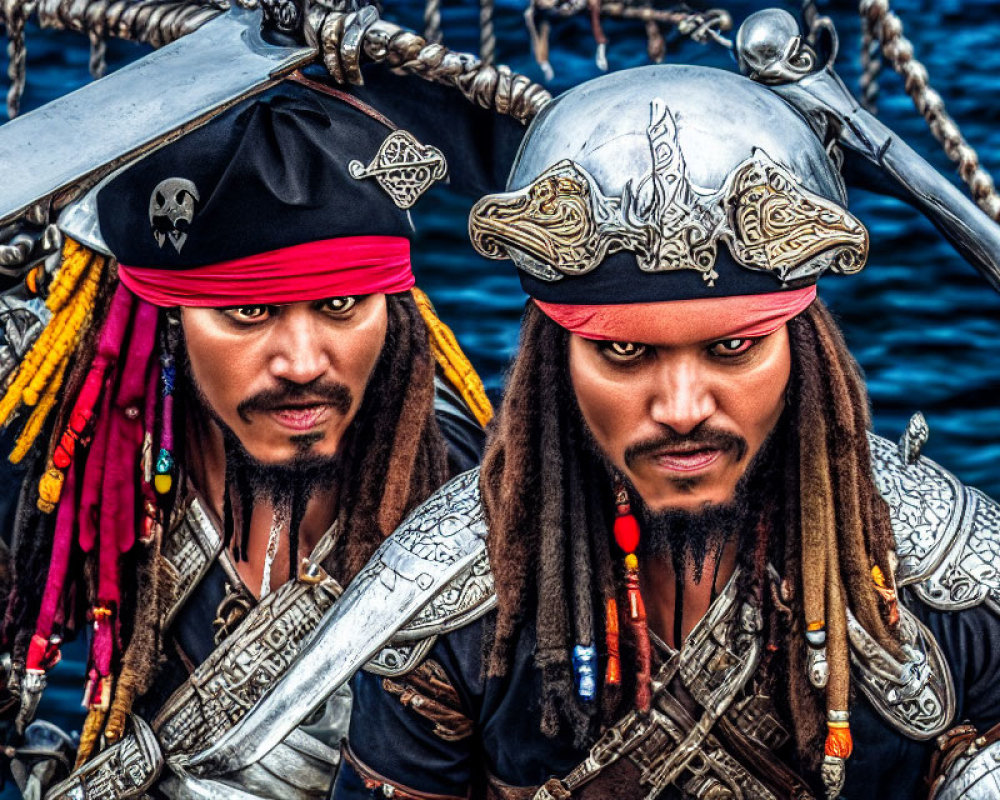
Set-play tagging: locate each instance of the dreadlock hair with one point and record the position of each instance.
(395, 455)
(837, 526)
(544, 500)
(548, 505)
(31, 543)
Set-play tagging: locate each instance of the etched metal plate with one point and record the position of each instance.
(190, 547)
(947, 534)
(440, 540)
(124, 770)
(926, 503)
(916, 696)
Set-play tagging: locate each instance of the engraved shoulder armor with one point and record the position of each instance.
(467, 597)
(947, 542)
(947, 534)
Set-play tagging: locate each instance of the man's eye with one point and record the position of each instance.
(339, 305)
(624, 351)
(727, 348)
(247, 314)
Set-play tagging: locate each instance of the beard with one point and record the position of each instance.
(289, 484)
(685, 536)
(688, 537)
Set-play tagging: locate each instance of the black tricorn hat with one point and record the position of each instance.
(301, 162)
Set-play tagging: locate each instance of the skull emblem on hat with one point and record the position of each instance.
(171, 210)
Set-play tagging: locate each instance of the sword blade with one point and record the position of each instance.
(404, 574)
(66, 146)
(904, 173)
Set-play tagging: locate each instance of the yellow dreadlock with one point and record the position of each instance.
(40, 374)
(453, 362)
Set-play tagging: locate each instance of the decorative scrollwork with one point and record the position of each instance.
(125, 769)
(947, 534)
(781, 227)
(562, 224)
(189, 549)
(22, 319)
(916, 695)
(926, 504)
(246, 666)
(552, 227)
(404, 167)
(969, 574)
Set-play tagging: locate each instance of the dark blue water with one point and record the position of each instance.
(922, 323)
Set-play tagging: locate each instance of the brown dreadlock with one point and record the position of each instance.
(547, 501)
(396, 454)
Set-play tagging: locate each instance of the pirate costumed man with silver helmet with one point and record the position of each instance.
(224, 418)
(700, 574)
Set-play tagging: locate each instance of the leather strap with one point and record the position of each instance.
(951, 746)
(376, 782)
(762, 762)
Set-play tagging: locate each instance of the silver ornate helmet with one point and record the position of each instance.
(670, 182)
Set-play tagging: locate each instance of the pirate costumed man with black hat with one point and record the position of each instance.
(706, 577)
(242, 410)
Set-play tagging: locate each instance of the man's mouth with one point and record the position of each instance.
(687, 459)
(300, 417)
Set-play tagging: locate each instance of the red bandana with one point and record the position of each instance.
(739, 316)
(344, 267)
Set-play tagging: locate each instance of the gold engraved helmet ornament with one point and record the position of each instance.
(687, 169)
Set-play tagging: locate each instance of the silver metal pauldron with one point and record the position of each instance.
(947, 535)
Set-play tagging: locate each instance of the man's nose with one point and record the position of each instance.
(682, 397)
(298, 351)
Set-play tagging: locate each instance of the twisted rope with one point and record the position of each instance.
(487, 36)
(871, 66)
(810, 13)
(15, 14)
(156, 22)
(345, 38)
(701, 26)
(432, 21)
(98, 51)
(888, 29)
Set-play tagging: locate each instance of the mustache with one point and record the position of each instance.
(698, 439)
(321, 392)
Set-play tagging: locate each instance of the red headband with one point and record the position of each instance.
(349, 266)
(701, 319)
